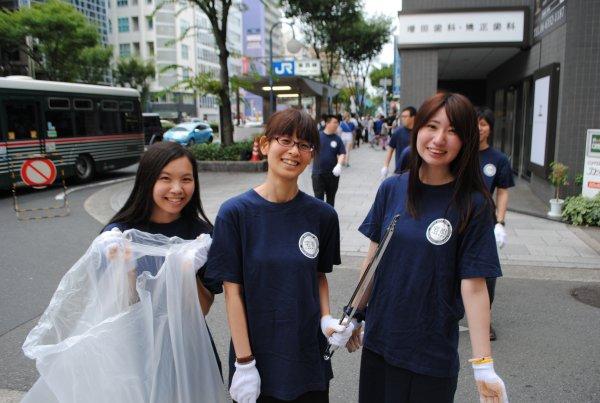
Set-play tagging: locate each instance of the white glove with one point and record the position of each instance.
(384, 173)
(337, 335)
(500, 235)
(337, 170)
(489, 384)
(111, 242)
(245, 384)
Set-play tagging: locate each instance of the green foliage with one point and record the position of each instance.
(214, 126)
(581, 210)
(214, 152)
(325, 25)
(578, 179)
(135, 73)
(58, 39)
(558, 176)
(167, 124)
(385, 71)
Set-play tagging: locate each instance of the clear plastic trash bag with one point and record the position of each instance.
(125, 325)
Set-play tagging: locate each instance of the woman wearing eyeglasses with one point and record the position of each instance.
(272, 246)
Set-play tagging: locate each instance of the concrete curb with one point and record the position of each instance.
(232, 166)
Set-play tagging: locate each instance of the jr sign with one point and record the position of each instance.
(284, 67)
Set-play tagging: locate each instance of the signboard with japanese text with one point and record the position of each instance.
(591, 167)
(284, 68)
(462, 27)
(547, 16)
(308, 68)
(539, 131)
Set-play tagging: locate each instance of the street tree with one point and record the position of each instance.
(363, 41)
(384, 72)
(135, 73)
(324, 24)
(57, 38)
(217, 12)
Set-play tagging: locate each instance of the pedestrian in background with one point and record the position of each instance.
(498, 177)
(327, 164)
(272, 247)
(399, 141)
(436, 263)
(347, 127)
(377, 128)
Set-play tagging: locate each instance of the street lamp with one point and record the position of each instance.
(293, 46)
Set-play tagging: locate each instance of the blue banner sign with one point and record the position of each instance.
(284, 68)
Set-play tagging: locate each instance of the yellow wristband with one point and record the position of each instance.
(481, 360)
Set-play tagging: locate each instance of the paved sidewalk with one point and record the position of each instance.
(532, 242)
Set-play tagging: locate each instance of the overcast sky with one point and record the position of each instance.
(374, 7)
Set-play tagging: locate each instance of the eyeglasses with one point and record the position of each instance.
(287, 142)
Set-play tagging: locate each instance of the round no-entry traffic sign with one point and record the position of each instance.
(38, 172)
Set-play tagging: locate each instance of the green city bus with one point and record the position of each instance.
(84, 129)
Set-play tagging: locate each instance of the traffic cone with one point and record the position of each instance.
(255, 156)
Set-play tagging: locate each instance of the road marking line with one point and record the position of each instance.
(61, 195)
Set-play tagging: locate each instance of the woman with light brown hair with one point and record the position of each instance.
(434, 269)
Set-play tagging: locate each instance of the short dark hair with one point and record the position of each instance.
(486, 114)
(329, 117)
(411, 110)
(137, 210)
(293, 121)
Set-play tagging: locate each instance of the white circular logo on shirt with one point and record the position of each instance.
(309, 245)
(333, 144)
(439, 231)
(489, 170)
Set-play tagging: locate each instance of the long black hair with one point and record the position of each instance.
(137, 210)
(465, 167)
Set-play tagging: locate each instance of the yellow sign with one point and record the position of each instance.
(11, 135)
(33, 134)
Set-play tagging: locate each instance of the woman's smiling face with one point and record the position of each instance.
(437, 142)
(173, 190)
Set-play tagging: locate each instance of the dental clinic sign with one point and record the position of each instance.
(591, 167)
(462, 27)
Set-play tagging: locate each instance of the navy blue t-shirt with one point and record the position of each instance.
(414, 309)
(404, 159)
(399, 141)
(331, 147)
(496, 170)
(182, 228)
(377, 126)
(276, 250)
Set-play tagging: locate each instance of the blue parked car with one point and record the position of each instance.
(189, 133)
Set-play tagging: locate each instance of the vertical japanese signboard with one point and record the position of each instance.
(591, 168)
(547, 16)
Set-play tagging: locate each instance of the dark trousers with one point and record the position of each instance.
(491, 286)
(317, 396)
(325, 185)
(381, 382)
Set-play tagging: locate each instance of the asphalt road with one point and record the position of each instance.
(547, 351)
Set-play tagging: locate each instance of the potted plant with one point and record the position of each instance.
(558, 177)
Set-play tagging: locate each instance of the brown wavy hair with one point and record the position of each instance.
(465, 167)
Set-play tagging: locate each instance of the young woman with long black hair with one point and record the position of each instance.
(434, 269)
(272, 248)
(165, 199)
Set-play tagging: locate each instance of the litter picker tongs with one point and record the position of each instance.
(364, 284)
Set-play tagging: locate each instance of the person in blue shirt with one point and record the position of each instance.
(377, 128)
(498, 177)
(347, 127)
(399, 141)
(272, 248)
(165, 200)
(435, 266)
(327, 164)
